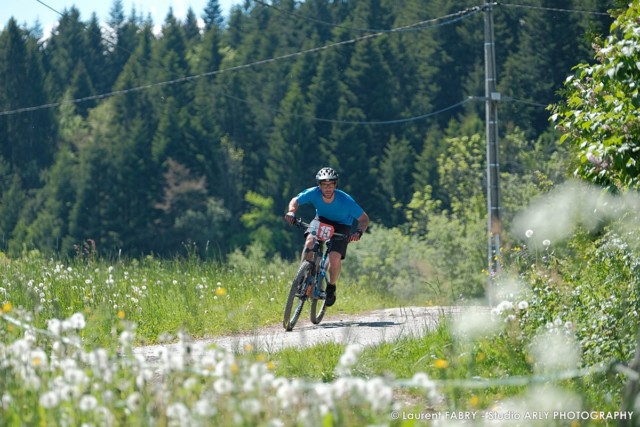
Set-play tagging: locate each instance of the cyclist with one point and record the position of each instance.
(334, 207)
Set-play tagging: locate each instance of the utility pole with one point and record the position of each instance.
(492, 97)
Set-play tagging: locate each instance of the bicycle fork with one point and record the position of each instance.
(322, 274)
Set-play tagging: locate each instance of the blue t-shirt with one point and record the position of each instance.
(343, 209)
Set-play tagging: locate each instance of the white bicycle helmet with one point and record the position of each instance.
(326, 174)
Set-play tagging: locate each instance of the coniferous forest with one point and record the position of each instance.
(135, 137)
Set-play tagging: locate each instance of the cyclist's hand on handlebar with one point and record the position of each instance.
(290, 217)
(355, 236)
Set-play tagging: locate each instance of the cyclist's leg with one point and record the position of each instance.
(337, 253)
(307, 250)
(335, 265)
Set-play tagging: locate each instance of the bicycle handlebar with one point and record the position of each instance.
(300, 224)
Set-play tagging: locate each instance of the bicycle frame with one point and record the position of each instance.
(320, 275)
(309, 279)
(320, 250)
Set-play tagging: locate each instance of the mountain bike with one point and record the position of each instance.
(310, 280)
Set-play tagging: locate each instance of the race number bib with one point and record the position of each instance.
(321, 230)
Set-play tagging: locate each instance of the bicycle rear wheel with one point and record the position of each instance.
(291, 315)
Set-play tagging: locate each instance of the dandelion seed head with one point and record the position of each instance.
(223, 386)
(87, 403)
(49, 399)
(251, 406)
(77, 321)
(6, 401)
(570, 204)
(473, 324)
(554, 352)
(133, 401)
(54, 326)
(379, 393)
(126, 338)
(504, 306)
(204, 408)
(179, 412)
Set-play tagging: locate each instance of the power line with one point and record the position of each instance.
(109, 42)
(371, 122)
(554, 9)
(456, 15)
(213, 73)
(522, 101)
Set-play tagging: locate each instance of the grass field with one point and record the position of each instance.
(67, 333)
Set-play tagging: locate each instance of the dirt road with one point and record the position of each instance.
(364, 329)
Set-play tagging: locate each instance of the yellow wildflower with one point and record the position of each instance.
(441, 364)
(6, 307)
(474, 401)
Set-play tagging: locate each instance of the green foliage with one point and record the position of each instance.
(588, 290)
(599, 116)
(265, 227)
(390, 262)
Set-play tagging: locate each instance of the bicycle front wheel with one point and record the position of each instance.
(291, 315)
(318, 308)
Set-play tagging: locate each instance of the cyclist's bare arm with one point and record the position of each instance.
(363, 222)
(293, 205)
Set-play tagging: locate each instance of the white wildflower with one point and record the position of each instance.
(505, 306)
(133, 401)
(88, 403)
(251, 406)
(49, 400)
(77, 321)
(54, 326)
(204, 408)
(223, 386)
(179, 414)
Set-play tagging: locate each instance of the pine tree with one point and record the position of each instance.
(191, 30)
(64, 50)
(212, 15)
(395, 179)
(292, 156)
(27, 138)
(95, 57)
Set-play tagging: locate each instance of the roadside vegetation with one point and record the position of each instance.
(565, 316)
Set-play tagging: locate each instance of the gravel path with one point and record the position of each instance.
(365, 329)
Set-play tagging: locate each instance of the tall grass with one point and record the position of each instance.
(565, 315)
(160, 296)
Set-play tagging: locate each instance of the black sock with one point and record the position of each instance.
(331, 288)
